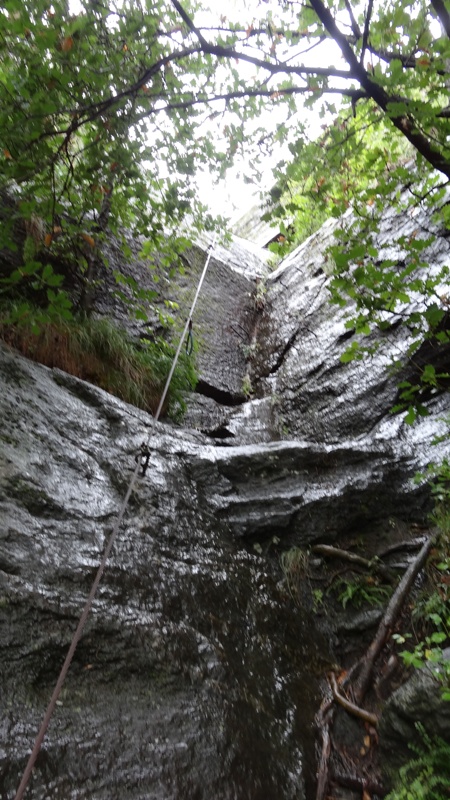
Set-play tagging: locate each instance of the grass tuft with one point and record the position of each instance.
(99, 352)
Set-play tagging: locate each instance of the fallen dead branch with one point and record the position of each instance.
(352, 708)
(360, 784)
(362, 670)
(353, 558)
(365, 665)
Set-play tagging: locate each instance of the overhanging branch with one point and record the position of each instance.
(443, 14)
(270, 66)
(405, 123)
(366, 30)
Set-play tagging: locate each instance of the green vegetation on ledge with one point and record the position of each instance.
(99, 352)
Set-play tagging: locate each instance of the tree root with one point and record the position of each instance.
(367, 716)
(324, 720)
(362, 669)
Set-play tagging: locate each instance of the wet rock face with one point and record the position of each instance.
(193, 678)
(223, 322)
(302, 337)
(331, 455)
(298, 338)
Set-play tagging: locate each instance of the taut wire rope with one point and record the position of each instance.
(106, 554)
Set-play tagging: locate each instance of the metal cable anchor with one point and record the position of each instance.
(143, 457)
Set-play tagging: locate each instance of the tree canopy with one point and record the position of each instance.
(114, 98)
(108, 109)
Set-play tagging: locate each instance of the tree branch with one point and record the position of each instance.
(354, 558)
(186, 18)
(355, 27)
(385, 627)
(443, 14)
(405, 123)
(366, 31)
(273, 94)
(274, 68)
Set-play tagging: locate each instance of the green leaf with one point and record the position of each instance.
(436, 619)
(433, 315)
(411, 416)
(438, 637)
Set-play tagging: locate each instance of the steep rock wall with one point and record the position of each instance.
(195, 676)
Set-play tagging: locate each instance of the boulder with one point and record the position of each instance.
(417, 702)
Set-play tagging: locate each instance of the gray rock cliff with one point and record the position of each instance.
(196, 677)
(183, 684)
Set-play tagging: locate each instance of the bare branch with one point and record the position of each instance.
(354, 558)
(355, 27)
(366, 31)
(392, 611)
(443, 14)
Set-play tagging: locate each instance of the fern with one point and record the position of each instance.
(426, 777)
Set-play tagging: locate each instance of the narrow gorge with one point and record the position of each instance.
(200, 674)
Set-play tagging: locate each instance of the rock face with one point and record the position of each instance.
(192, 679)
(195, 677)
(224, 320)
(419, 700)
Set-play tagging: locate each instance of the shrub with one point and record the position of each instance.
(427, 776)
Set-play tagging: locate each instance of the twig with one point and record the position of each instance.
(367, 716)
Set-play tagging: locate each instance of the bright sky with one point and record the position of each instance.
(233, 196)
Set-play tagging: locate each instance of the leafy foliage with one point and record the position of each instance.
(361, 592)
(103, 110)
(343, 168)
(427, 775)
(106, 113)
(93, 138)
